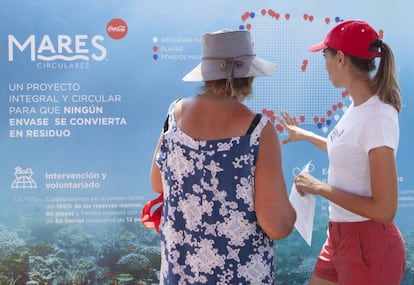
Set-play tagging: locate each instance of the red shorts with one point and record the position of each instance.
(368, 253)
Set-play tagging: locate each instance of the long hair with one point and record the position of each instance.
(384, 82)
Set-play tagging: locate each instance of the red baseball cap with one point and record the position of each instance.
(353, 37)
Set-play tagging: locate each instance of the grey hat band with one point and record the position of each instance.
(227, 65)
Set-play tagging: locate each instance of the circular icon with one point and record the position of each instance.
(297, 170)
(117, 28)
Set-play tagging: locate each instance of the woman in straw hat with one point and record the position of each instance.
(218, 165)
(364, 246)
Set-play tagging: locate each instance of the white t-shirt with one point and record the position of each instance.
(361, 128)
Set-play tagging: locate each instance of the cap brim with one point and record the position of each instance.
(258, 67)
(318, 47)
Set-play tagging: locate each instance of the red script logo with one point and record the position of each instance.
(117, 28)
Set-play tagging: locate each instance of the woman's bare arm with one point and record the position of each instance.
(155, 174)
(383, 203)
(275, 214)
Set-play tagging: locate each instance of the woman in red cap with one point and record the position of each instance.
(364, 246)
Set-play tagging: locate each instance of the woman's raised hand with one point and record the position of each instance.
(291, 126)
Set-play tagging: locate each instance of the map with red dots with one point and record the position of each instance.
(301, 86)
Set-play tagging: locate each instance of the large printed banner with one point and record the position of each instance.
(84, 88)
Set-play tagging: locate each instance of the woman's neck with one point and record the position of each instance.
(360, 90)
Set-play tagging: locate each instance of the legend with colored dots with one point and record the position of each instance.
(174, 48)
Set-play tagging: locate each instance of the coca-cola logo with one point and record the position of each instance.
(117, 28)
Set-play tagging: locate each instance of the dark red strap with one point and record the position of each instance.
(152, 221)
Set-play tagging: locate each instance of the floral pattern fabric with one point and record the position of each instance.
(209, 230)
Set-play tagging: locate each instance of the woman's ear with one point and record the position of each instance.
(341, 59)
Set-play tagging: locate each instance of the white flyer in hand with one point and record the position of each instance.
(305, 208)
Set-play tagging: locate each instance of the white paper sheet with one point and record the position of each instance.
(305, 209)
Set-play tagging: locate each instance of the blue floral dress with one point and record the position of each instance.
(209, 230)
